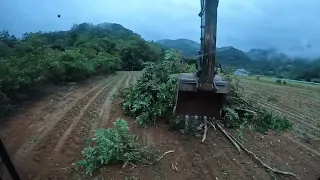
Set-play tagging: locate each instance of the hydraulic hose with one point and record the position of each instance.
(202, 8)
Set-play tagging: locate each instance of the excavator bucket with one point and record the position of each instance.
(194, 102)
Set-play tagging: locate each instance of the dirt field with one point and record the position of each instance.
(46, 136)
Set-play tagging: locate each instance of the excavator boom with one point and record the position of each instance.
(202, 93)
(208, 26)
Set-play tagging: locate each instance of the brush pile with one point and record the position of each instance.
(153, 98)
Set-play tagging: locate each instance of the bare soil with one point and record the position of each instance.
(48, 135)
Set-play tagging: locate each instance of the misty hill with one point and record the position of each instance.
(228, 56)
(266, 54)
(270, 62)
(188, 47)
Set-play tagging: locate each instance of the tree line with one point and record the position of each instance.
(62, 56)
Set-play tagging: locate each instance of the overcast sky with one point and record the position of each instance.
(283, 24)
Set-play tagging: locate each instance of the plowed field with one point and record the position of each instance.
(47, 135)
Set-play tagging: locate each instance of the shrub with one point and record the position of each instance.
(258, 78)
(240, 112)
(153, 96)
(113, 145)
(268, 120)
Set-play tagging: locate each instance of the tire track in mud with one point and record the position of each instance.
(81, 132)
(104, 113)
(51, 119)
(127, 79)
(66, 134)
(49, 141)
(39, 117)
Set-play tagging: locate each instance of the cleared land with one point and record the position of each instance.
(46, 136)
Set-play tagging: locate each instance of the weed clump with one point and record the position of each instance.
(114, 145)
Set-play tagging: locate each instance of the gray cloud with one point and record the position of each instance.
(288, 25)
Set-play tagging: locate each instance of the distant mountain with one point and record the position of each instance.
(188, 47)
(229, 56)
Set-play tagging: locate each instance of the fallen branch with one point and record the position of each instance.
(176, 161)
(229, 137)
(200, 126)
(214, 127)
(174, 166)
(274, 170)
(133, 166)
(205, 130)
(255, 114)
(124, 166)
(163, 156)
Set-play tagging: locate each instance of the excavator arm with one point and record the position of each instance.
(207, 54)
(202, 93)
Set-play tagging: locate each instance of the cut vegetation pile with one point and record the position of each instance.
(240, 112)
(153, 98)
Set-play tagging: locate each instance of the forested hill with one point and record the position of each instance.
(80, 52)
(230, 56)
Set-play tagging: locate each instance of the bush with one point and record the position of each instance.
(113, 145)
(153, 96)
(5, 105)
(258, 78)
(75, 65)
(278, 81)
(269, 121)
